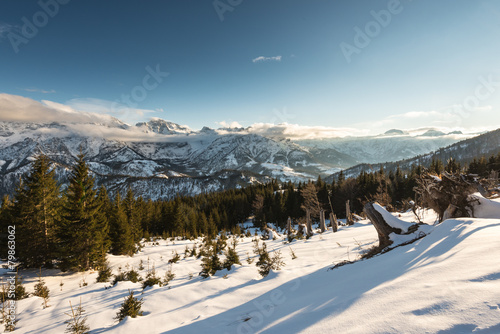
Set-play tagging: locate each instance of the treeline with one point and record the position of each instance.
(75, 227)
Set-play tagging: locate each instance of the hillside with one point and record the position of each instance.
(446, 282)
(464, 151)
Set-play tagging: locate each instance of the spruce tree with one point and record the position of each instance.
(210, 263)
(130, 208)
(42, 291)
(34, 211)
(77, 322)
(131, 307)
(122, 239)
(83, 226)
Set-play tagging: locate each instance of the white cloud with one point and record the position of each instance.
(447, 119)
(14, 108)
(233, 124)
(295, 131)
(115, 109)
(36, 90)
(262, 58)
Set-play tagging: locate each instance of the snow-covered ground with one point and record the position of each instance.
(446, 282)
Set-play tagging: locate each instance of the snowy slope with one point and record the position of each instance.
(446, 282)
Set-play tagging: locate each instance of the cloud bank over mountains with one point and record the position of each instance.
(95, 118)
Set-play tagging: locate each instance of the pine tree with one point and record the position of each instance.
(129, 205)
(83, 227)
(122, 240)
(34, 211)
(42, 291)
(266, 262)
(210, 263)
(231, 255)
(104, 273)
(77, 322)
(19, 289)
(131, 307)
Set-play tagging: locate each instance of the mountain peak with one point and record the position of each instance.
(162, 126)
(393, 132)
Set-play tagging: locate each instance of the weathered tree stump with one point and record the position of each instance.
(333, 222)
(309, 230)
(349, 220)
(383, 229)
(322, 224)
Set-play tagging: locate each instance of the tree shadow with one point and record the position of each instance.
(327, 293)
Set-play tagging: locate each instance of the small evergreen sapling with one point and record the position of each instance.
(77, 322)
(169, 275)
(210, 263)
(151, 279)
(131, 275)
(20, 291)
(266, 262)
(131, 307)
(104, 273)
(231, 255)
(42, 291)
(175, 259)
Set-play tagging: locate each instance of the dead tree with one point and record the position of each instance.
(310, 203)
(322, 224)
(289, 226)
(348, 215)
(309, 229)
(448, 195)
(383, 228)
(333, 222)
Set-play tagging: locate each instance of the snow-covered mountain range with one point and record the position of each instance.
(160, 159)
(465, 151)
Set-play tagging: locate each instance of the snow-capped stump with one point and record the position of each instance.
(386, 224)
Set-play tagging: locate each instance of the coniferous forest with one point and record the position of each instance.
(73, 228)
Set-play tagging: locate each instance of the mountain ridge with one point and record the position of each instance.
(174, 159)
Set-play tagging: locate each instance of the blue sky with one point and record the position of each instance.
(430, 63)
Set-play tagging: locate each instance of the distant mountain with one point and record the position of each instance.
(179, 161)
(433, 133)
(396, 132)
(464, 151)
(161, 126)
(160, 159)
(391, 146)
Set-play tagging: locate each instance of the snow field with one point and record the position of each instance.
(446, 282)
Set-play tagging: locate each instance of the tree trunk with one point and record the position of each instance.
(322, 224)
(383, 229)
(333, 222)
(348, 214)
(289, 226)
(309, 224)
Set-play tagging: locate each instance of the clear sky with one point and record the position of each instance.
(423, 63)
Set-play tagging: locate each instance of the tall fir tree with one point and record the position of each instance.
(83, 227)
(34, 211)
(133, 219)
(122, 239)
